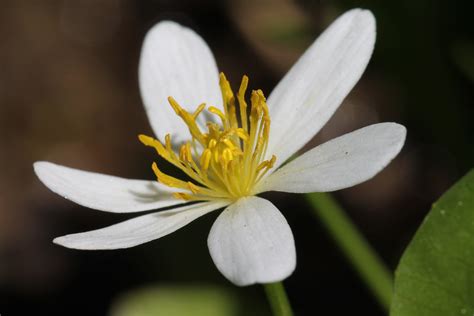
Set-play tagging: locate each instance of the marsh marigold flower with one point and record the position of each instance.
(231, 145)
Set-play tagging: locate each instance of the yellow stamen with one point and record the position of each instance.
(227, 160)
(217, 112)
(198, 111)
(193, 187)
(206, 159)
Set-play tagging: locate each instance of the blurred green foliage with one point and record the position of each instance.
(203, 300)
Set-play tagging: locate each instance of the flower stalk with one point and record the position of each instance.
(278, 300)
(355, 247)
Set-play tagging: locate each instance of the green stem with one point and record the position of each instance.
(354, 246)
(278, 300)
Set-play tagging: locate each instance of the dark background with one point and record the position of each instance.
(69, 94)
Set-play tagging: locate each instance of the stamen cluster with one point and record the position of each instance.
(227, 160)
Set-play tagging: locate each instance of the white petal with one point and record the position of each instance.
(138, 230)
(314, 88)
(251, 242)
(103, 192)
(339, 163)
(176, 62)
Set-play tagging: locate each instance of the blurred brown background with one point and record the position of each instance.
(69, 94)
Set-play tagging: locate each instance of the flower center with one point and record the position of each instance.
(227, 160)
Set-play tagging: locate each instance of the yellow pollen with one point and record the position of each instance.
(225, 161)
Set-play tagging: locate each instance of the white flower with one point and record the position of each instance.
(236, 155)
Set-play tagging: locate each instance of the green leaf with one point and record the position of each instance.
(176, 301)
(436, 273)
